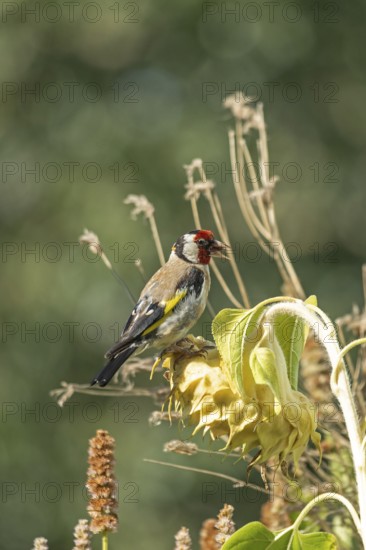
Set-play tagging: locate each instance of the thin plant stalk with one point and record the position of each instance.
(281, 257)
(215, 269)
(263, 227)
(235, 481)
(92, 240)
(243, 201)
(156, 237)
(224, 235)
(254, 182)
(241, 184)
(143, 206)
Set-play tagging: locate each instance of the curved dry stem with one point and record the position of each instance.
(241, 189)
(215, 269)
(225, 237)
(268, 227)
(254, 182)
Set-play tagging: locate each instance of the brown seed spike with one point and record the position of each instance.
(208, 535)
(101, 484)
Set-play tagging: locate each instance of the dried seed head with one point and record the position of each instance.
(240, 106)
(156, 418)
(180, 447)
(183, 539)
(93, 242)
(82, 535)
(40, 543)
(63, 394)
(225, 524)
(195, 189)
(141, 206)
(101, 484)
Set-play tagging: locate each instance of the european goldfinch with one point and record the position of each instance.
(171, 302)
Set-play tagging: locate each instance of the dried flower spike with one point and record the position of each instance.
(225, 524)
(101, 484)
(183, 539)
(82, 535)
(40, 543)
(208, 535)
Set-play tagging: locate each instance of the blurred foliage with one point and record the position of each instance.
(140, 88)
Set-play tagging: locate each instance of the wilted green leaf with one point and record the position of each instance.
(263, 366)
(292, 333)
(236, 333)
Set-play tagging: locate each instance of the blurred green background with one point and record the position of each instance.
(103, 99)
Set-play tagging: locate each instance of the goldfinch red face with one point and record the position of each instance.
(197, 247)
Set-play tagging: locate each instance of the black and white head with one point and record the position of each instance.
(198, 246)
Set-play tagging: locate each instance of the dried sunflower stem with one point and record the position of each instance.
(321, 498)
(341, 388)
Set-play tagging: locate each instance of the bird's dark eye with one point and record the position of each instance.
(201, 241)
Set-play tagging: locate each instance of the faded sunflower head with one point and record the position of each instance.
(245, 389)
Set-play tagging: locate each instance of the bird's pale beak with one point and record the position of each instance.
(219, 249)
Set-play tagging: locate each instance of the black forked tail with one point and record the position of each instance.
(110, 369)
